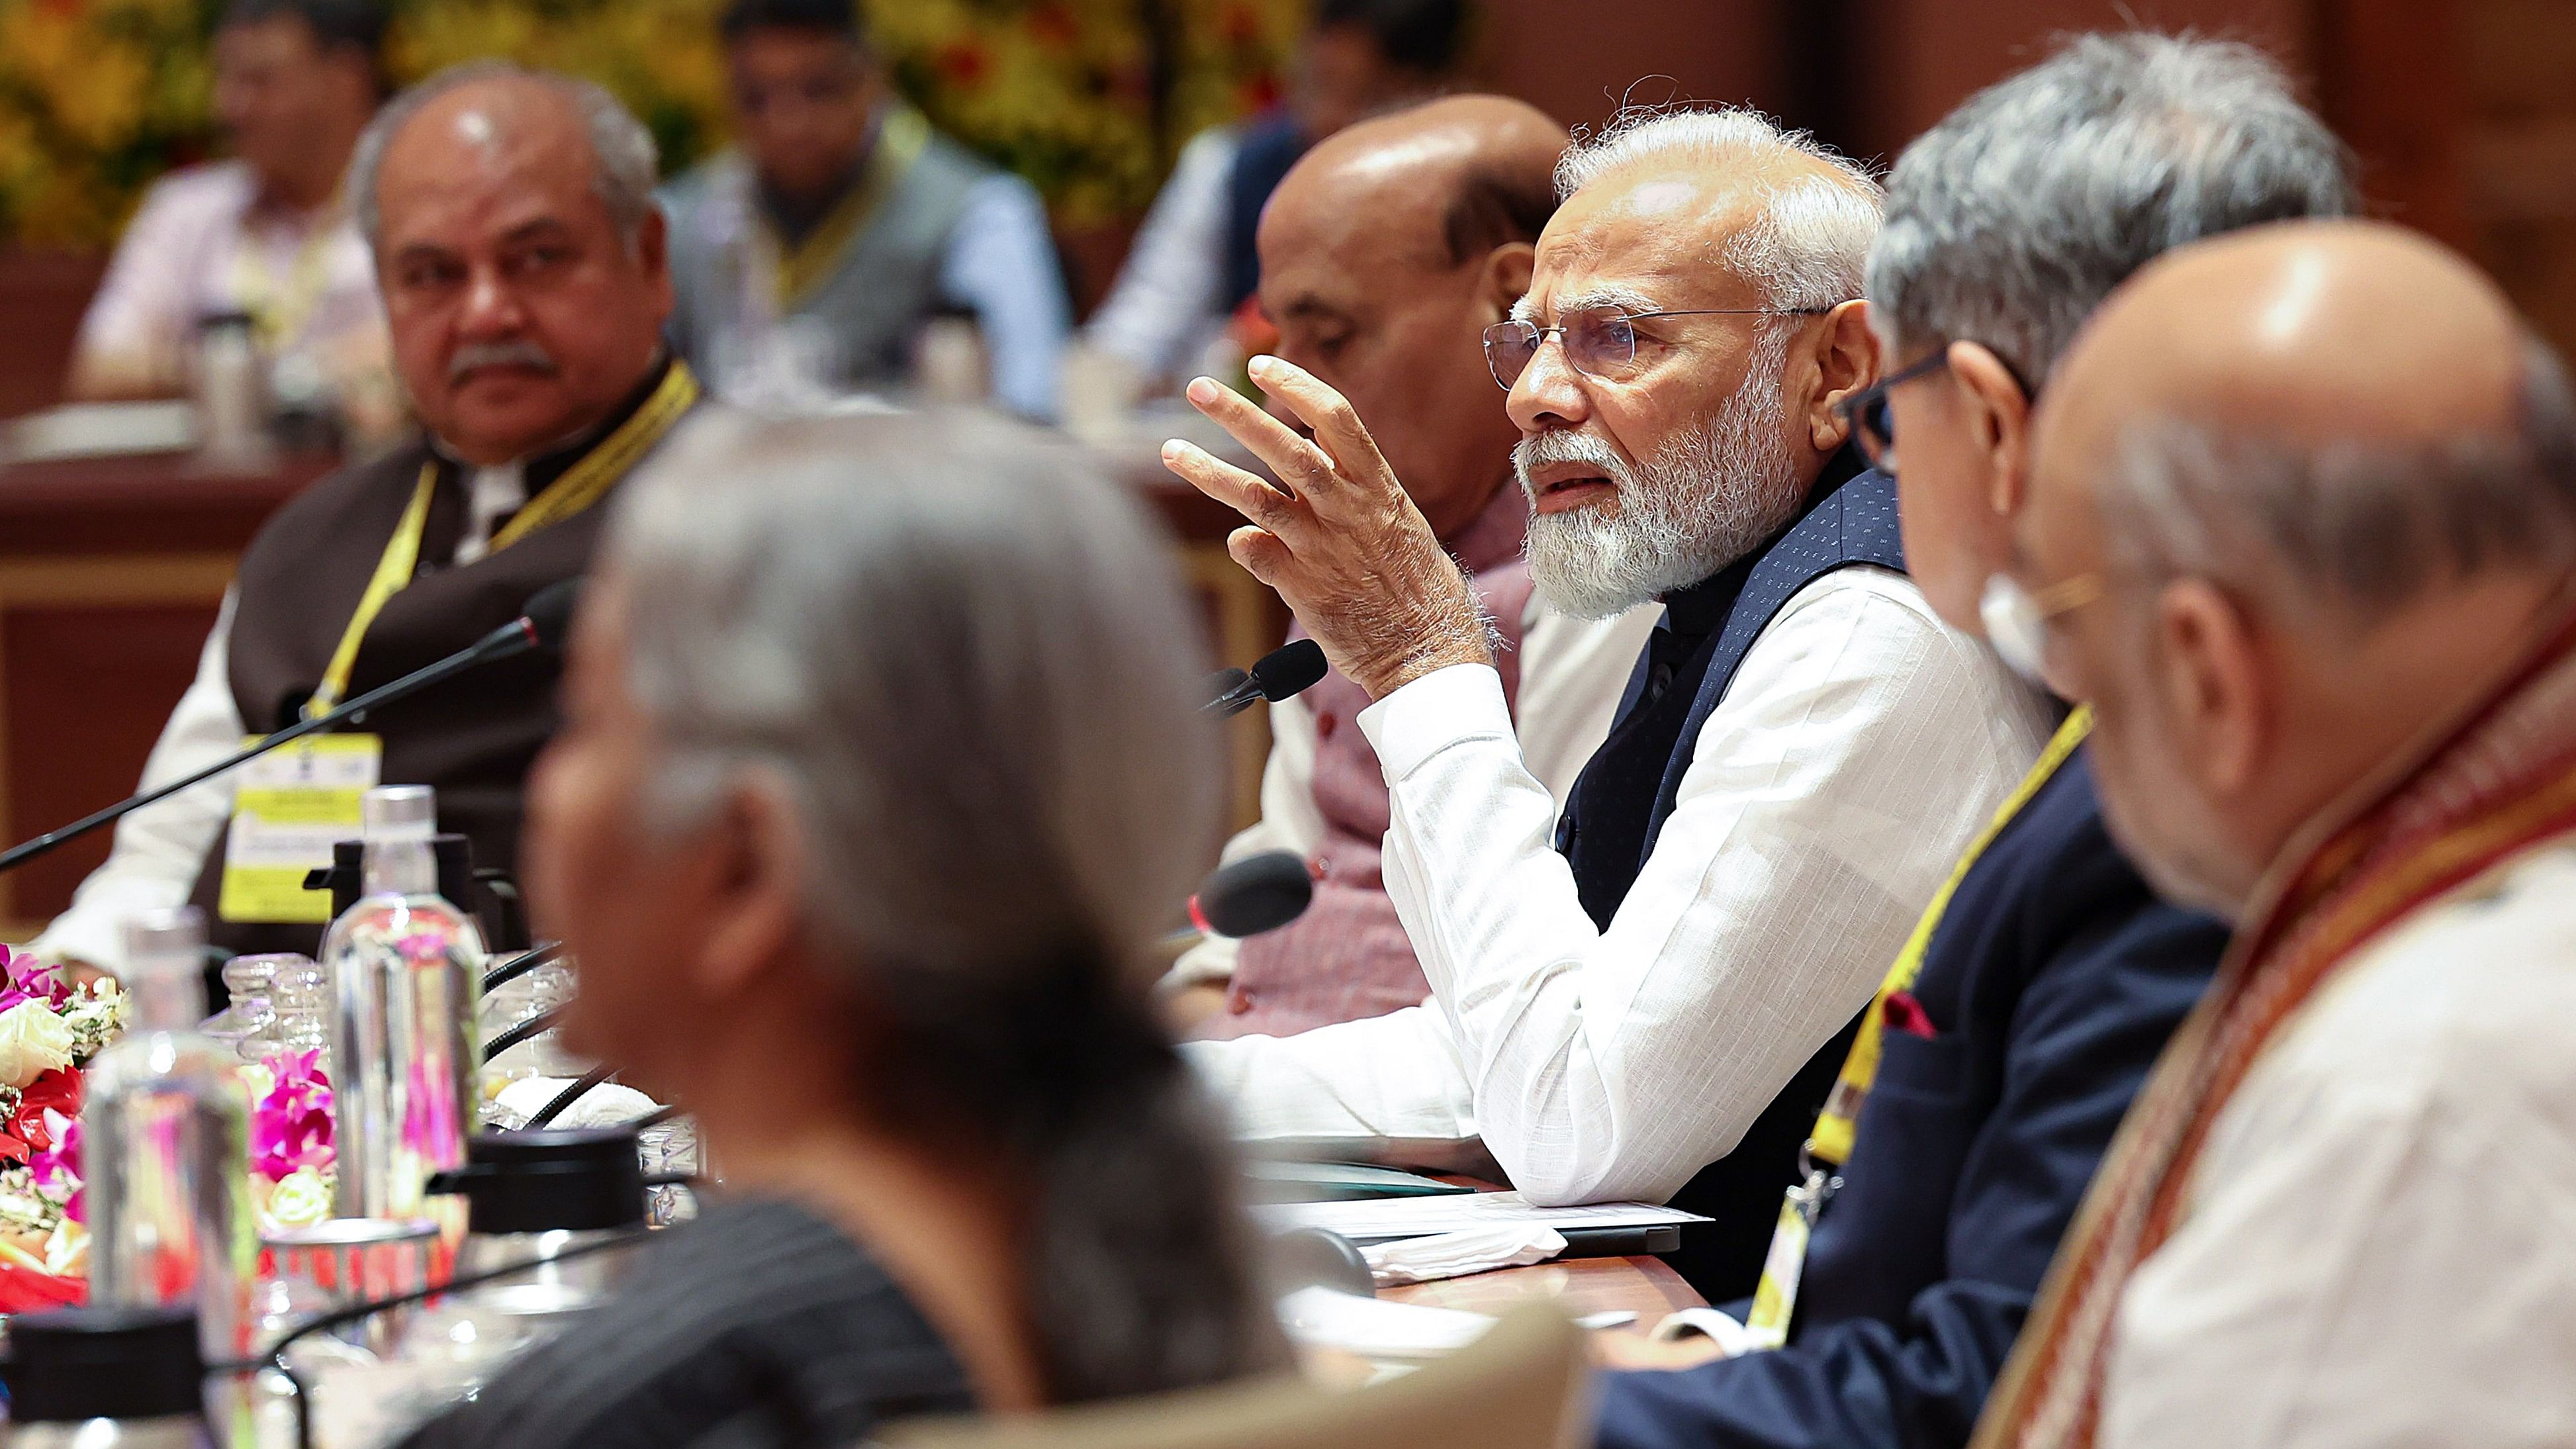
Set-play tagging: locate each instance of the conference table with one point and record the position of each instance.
(1647, 1287)
(111, 568)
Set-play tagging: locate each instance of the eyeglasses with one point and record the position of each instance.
(1872, 422)
(2016, 619)
(1601, 343)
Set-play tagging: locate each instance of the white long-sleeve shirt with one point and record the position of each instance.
(2379, 1244)
(1572, 671)
(161, 848)
(1859, 748)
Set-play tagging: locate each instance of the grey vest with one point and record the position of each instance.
(884, 285)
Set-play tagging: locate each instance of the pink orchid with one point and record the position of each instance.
(290, 1127)
(29, 978)
(57, 1168)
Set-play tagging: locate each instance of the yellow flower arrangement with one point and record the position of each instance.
(97, 97)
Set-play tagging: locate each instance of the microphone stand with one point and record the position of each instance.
(511, 638)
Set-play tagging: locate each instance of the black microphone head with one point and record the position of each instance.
(549, 612)
(1255, 894)
(1290, 669)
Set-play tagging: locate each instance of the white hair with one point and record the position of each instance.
(625, 164)
(1808, 245)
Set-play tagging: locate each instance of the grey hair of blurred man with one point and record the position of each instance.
(2010, 221)
(626, 164)
(964, 660)
(2346, 533)
(1720, 486)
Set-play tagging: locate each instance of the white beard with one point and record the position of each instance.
(1710, 495)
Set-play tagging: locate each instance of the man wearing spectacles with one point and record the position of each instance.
(1387, 249)
(1648, 1011)
(2014, 1031)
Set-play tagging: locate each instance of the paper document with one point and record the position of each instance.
(1377, 1220)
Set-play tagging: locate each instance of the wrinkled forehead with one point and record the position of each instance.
(1644, 240)
(479, 163)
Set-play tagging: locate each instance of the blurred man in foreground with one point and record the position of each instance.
(892, 947)
(1386, 254)
(511, 214)
(2303, 528)
(1653, 1011)
(813, 255)
(2011, 1034)
(267, 234)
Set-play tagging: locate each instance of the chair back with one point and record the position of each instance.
(1520, 1386)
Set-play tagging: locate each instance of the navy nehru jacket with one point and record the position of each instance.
(2050, 986)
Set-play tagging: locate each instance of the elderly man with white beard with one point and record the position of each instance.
(1655, 1006)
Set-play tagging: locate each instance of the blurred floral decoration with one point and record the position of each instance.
(1089, 99)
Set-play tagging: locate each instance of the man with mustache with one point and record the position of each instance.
(511, 217)
(1386, 253)
(1654, 1009)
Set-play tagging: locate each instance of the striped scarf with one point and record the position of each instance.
(2500, 782)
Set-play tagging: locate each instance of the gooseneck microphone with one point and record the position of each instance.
(540, 625)
(1255, 894)
(1290, 669)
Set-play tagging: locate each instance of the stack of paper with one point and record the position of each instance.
(1378, 1220)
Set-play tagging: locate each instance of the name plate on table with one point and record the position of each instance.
(290, 806)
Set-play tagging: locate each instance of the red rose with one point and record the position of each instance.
(57, 1089)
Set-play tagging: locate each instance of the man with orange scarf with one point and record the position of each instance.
(2303, 530)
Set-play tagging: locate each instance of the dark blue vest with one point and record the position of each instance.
(1849, 519)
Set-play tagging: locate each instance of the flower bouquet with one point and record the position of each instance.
(49, 1029)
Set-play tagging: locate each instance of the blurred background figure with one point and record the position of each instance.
(890, 944)
(266, 235)
(1196, 264)
(813, 255)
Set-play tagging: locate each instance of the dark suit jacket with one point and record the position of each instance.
(2052, 982)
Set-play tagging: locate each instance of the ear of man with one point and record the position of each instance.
(1845, 358)
(1506, 279)
(1998, 422)
(2217, 700)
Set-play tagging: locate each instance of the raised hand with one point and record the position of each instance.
(1342, 543)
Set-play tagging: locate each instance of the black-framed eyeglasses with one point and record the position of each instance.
(1873, 425)
(1600, 343)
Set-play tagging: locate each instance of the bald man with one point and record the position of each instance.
(1385, 254)
(511, 219)
(2302, 528)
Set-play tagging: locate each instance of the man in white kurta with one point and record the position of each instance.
(2302, 524)
(1675, 417)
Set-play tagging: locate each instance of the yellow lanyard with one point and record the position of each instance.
(804, 267)
(582, 485)
(1829, 1145)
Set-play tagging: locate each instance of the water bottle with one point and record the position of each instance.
(106, 1378)
(406, 965)
(165, 1145)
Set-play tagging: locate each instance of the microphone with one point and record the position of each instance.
(1290, 669)
(1255, 894)
(541, 624)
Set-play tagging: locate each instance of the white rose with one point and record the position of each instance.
(33, 1041)
(300, 1199)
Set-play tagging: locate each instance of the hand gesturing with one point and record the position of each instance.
(1343, 544)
